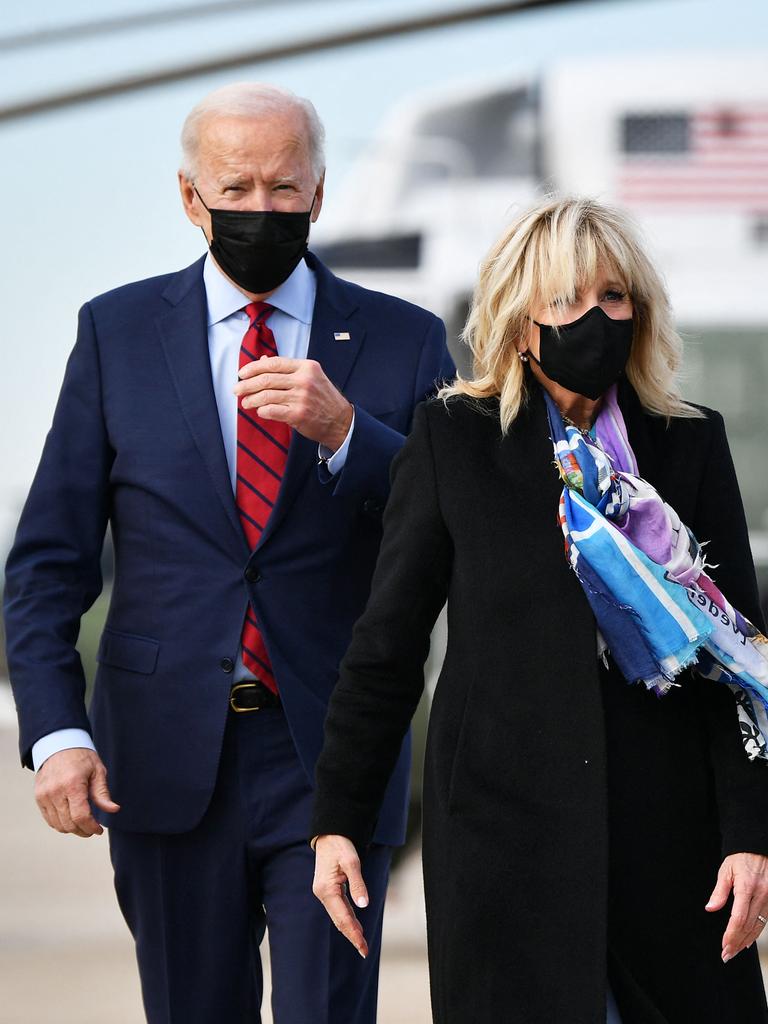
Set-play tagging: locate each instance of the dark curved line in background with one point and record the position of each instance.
(125, 22)
(315, 44)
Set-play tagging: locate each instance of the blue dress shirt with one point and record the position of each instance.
(290, 323)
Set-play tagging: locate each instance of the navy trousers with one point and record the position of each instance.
(198, 903)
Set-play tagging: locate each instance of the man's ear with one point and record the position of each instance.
(319, 191)
(193, 208)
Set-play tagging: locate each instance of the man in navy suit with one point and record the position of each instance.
(234, 424)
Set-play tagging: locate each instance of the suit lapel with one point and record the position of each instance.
(184, 337)
(333, 314)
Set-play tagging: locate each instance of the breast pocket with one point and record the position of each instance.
(128, 651)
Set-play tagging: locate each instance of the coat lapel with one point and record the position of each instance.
(638, 431)
(333, 314)
(184, 338)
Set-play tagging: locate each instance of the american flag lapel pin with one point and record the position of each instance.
(341, 336)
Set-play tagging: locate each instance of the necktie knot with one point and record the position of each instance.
(257, 312)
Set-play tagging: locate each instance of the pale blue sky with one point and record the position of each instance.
(89, 195)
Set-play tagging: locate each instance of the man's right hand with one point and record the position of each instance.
(63, 785)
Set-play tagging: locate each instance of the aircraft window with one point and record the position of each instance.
(760, 230)
(655, 133)
(496, 135)
(393, 252)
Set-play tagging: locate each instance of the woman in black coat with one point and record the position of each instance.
(586, 843)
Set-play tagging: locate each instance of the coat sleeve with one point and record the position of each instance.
(373, 445)
(741, 785)
(382, 674)
(53, 574)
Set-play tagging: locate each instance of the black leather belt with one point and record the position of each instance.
(252, 696)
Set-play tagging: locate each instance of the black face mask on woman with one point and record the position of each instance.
(258, 249)
(587, 355)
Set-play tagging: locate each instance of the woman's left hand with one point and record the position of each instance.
(747, 875)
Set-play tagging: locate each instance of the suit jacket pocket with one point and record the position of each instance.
(128, 651)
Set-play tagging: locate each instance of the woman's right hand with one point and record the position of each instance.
(337, 866)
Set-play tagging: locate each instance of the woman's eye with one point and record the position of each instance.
(614, 296)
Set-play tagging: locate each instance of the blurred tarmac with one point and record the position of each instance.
(66, 956)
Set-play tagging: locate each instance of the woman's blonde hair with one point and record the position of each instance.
(542, 259)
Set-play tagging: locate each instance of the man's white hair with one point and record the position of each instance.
(250, 99)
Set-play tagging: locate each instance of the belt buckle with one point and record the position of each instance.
(233, 698)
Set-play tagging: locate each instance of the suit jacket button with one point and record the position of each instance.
(371, 507)
(252, 575)
(227, 664)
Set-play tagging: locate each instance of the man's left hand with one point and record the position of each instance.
(296, 392)
(747, 875)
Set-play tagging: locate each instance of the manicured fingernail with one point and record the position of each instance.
(726, 957)
(361, 901)
(362, 954)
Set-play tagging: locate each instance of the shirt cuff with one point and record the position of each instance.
(62, 739)
(335, 462)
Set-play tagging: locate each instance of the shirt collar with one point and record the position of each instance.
(295, 296)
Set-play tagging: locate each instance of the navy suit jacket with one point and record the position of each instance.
(136, 442)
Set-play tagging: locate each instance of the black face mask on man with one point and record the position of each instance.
(587, 355)
(258, 249)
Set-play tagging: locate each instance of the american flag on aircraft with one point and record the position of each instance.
(716, 156)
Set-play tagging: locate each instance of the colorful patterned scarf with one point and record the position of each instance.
(643, 572)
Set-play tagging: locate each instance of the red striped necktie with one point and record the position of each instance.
(262, 450)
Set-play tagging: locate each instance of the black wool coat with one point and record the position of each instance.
(573, 824)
